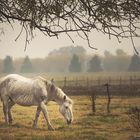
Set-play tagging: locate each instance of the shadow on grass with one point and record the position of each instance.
(17, 125)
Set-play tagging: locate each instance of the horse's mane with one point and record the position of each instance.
(58, 91)
(62, 96)
(52, 88)
(41, 78)
(69, 100)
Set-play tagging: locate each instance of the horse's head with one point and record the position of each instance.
(66, 109)
(64, 101)
(65, 105)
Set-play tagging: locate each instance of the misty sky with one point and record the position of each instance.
(41, 45)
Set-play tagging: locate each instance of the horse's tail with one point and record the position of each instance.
(0, 86)
(1, 83)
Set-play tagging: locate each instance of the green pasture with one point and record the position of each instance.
(86, 125)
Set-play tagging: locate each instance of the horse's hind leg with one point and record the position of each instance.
(5, 111)
(36, 116)
(10, 105)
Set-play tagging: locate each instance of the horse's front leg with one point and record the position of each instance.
(10, 105)
(36, 116)
(45, 113)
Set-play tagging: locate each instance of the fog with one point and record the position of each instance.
(72, 59)
(41, 45)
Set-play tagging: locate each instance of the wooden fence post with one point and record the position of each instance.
(99, 81)
(76, 81)
(120, 87)
(109, 98)
(131, 84)
(93, 98)
(87, 82)
(65, 81)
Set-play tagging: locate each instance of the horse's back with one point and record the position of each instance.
(20, 89)
(18, 78)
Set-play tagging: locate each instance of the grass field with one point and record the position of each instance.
(86, 125)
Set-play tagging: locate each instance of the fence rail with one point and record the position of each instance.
(86, 86)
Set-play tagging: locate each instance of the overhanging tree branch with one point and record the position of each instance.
(54, 17)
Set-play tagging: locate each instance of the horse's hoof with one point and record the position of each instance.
(51, 128)
(34, 126)
(6, 124)
(10, 122)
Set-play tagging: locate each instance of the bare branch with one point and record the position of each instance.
(54, 17)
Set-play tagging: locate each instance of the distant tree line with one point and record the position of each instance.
(10, 67)
(72, 59)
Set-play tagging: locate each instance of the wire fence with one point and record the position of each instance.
(120, 86)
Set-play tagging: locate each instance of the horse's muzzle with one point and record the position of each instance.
(69, 121)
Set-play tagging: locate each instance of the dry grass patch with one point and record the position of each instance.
(86, 125)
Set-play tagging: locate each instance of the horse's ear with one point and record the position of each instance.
(52, 80)
(53, 87)
(64, 97)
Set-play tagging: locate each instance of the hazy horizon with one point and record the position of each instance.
(41, 45)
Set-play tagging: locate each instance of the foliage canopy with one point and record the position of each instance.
(95, 64)
(119, 18)
(135, 63)
(75, 64)
(27, 66)
(8, 65)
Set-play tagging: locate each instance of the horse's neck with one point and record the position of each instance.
(58, 98)
(59, 102)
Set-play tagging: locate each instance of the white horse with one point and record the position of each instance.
(15, 89)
